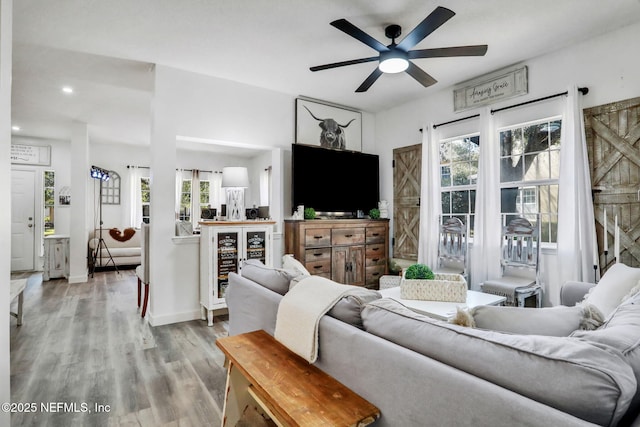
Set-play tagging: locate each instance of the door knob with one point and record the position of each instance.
(30, 225)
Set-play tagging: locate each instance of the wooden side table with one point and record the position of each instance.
(263, 373)
(56, 257)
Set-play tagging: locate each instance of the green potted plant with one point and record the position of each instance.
(309, 213)
(374, 213)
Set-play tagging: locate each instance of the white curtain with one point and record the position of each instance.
(195, 196)
(135, 195)
(577, 247)
(178, 192)
(430, 198)
(217, 197)
(265, 184)
(485, 259)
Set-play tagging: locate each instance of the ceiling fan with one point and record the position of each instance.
(395, 58)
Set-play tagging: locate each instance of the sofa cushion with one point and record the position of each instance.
(587, 380)
(621, 331)
(349, 308)
(290, 263)
(614, 285)
(549, 321)
(276, 279)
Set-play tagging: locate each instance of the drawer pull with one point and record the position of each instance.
(317, 267)
(375, 274)
(375, 249)
(348, 235)
(318, 237)
(317, 254)
(375, 259)
(375, 234)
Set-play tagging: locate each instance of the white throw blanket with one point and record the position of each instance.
(300, 311)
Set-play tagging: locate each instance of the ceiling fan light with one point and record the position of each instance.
(393, 61)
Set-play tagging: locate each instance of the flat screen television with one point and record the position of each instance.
(334, 182)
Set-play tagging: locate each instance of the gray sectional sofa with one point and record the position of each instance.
(423, 372)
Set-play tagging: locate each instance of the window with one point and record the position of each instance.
(49, 202)
(458, 177)
(204, 193)
(111, 189)
(529, 172)
(185, 201)
(145, 195)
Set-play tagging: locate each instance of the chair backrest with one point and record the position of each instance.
(144, 253)
(452, 248)
(520, 248)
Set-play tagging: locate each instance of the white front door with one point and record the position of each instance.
(22, 220)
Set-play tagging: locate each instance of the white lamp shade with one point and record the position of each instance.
(235, 177)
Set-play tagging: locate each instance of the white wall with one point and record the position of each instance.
(6, 16)
(197, 106)
(602, 64)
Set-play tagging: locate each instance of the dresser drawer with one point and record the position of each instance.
(319, 267)
(373, 274)
(347, 236)
(375, 254)
(317, 254)
(317, 237)
(375, 234)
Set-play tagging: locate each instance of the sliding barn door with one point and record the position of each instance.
(406, 201)
(613, 135)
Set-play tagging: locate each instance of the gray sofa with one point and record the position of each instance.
(423, 372)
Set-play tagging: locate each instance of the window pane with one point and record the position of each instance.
(537, 166)
(459, 201)
(445, 176)
(508, 200)
(186, 186)
(49, 197)
(461, 172)
(511, 142)
(445, 156)
(446, 202)
(554, 164)
(555, 132)
(472, 201)
(459, 150)
(510, 169)
(49, 178)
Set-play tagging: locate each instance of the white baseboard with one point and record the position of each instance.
(83, 278)
(167, 319)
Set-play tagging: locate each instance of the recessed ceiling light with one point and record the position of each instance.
(67, 89)
(16, 128)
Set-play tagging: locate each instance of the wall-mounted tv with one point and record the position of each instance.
(334, 182)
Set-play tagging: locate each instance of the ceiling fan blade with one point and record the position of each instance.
(343, 63)
(357, 33)
(476, 50)
(426, 27)
(366, 84)
(420, 75)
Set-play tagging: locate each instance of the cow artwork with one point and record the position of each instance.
(332, 134)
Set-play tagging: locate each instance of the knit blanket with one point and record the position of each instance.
(300, 311)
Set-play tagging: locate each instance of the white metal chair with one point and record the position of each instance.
(452, 247)
(142, 271)
(520, 264)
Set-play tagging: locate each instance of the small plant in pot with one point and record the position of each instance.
(374, 213)
(418, 272)
(309, 213)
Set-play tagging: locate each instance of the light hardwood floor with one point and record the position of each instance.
(85, 344)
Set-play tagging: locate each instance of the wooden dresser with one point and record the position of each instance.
(350, 251)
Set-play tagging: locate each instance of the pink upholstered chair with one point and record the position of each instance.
(142, 271)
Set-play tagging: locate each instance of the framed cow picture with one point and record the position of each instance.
(327, 125)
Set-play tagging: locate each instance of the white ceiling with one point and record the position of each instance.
(106, 49)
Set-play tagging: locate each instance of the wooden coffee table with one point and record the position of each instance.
(441, 309)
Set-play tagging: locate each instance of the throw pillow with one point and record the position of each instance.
(271, 278)
(614, 285)
(349, 308)
(290, 263)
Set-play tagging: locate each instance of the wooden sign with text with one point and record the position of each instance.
(491, 88)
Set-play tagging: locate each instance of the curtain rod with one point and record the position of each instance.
(582, 90)
(186, 170)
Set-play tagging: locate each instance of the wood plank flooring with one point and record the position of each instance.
(83, 345)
